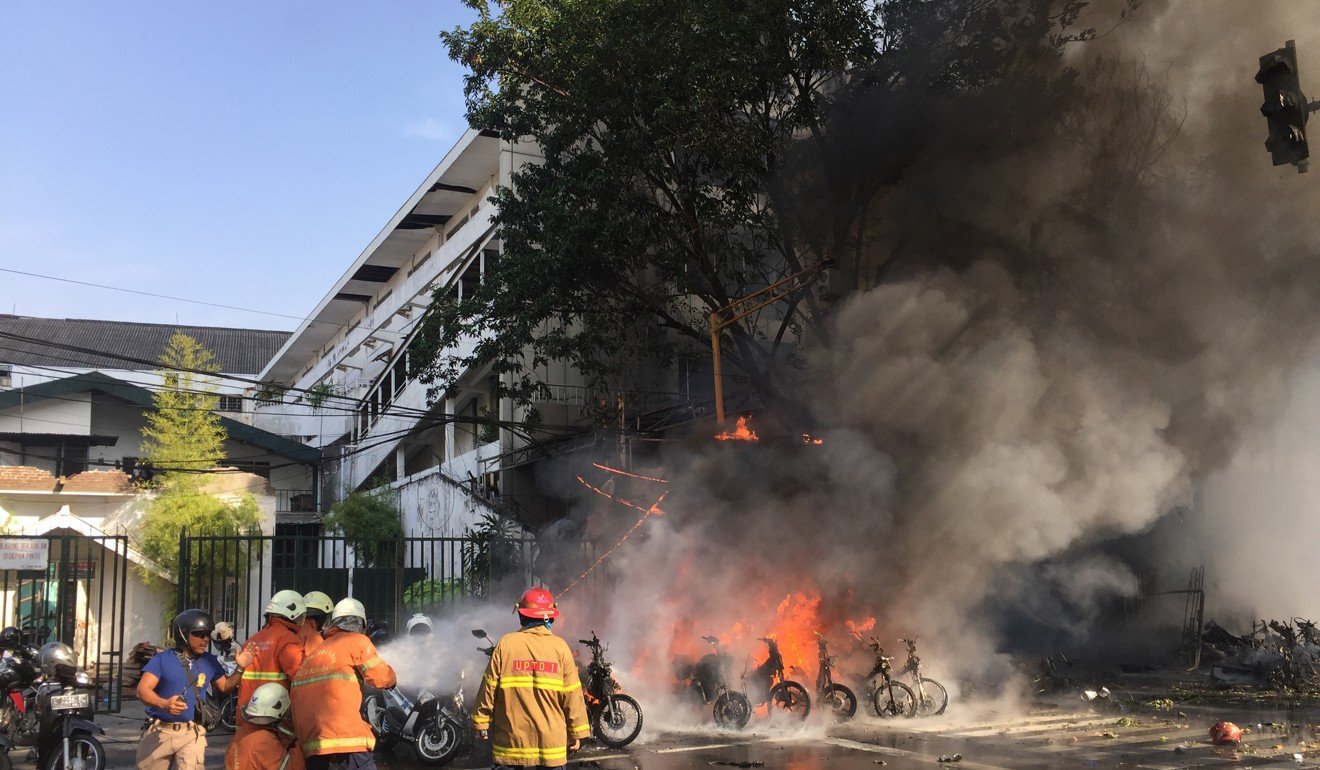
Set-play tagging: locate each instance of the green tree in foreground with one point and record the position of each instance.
(184, 443)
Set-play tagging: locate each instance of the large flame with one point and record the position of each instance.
(741, 432)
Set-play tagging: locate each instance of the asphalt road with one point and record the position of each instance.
(1052, 738)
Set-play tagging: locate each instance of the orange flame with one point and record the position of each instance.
(808, 439)
(740, 433)
(860, 627)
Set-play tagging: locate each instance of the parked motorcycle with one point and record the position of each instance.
(888, 697)
(932, 698)
(767, 685)
(66, 737)
(708, 683)
(19, 672)
(615, 718)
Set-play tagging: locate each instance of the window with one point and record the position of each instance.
(296, 546)
(6, 376)
(230, 404)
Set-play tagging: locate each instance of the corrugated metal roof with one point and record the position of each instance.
(238, 351)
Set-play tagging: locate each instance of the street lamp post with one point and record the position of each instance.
(724, 317)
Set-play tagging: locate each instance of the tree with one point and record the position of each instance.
(696, 151)
(185, 443)
(183, 433)
(371, 525)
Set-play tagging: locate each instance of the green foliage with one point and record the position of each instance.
(183, 440)
(431, 595)
(183, 434)
(203, 514)
(695, 152)
(318, 394)
(370, 523)
(488, 557)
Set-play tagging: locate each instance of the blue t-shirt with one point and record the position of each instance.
(174, 681)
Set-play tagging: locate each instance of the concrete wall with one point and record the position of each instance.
(69, 414)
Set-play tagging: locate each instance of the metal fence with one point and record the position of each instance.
(233, 576)
(78, 597)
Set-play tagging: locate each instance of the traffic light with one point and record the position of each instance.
(1285, 107)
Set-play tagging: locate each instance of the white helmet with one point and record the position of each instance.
(223, 631)
(350, 615)
(287, 604)
(269, 704)
(318, 602)
(419, 625)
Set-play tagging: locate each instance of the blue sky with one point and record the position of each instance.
(238, 152)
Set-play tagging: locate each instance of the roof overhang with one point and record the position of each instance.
(465, 169)
(140, 396)
(64, 519)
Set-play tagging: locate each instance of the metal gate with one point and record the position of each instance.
(78, 597)
(233, 576)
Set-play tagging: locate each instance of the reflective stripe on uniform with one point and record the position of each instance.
(575, 686)
(581, 729)
(370, 664)
(553, 684)
(323, 678)
(530, 752)
(339, 743)
(480, 721)
(265, 676)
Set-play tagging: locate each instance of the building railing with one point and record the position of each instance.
(295, 501)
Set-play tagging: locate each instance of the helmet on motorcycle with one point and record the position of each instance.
(53, 654)
(287, 604)
(269, 704)
(350, 615)
(190, 622)
(11, 638)
(537, 604)
(420, 625)
(319, 606)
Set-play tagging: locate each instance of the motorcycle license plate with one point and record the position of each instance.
(73, 700)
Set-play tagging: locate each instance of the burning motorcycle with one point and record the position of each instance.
(840, 699)
(767, 684)
(889, 698)
(708, 683)
(616, 719)
(932, 698)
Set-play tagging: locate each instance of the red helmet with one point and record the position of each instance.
(538, 603)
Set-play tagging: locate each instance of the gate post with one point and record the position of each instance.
(182, 586)
(399, 564)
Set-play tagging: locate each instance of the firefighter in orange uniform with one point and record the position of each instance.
(269, 743)
(319, 607)
(530, 705)
(277, 650)
(327, 696)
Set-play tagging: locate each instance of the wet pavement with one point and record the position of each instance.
(1046, 739)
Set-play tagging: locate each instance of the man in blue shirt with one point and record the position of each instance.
(171, 682)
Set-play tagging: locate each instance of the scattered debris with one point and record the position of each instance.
(1160, 704)
(737, 764)
(951, 757)
(879, 762)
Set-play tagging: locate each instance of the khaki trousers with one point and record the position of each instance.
(165, 748)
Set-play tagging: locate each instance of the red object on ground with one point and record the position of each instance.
(17, 698)
(1225, 732)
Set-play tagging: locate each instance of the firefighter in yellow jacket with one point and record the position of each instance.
(327, 696)
(530, 705)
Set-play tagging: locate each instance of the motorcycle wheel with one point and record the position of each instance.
(842, 702)
(85, 753)
(895, 700)
(790, 698)
(620, 728)
(732, 710)
(437, 743)
(229, 713)
(934, 698)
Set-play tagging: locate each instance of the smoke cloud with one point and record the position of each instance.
(1085, 289)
